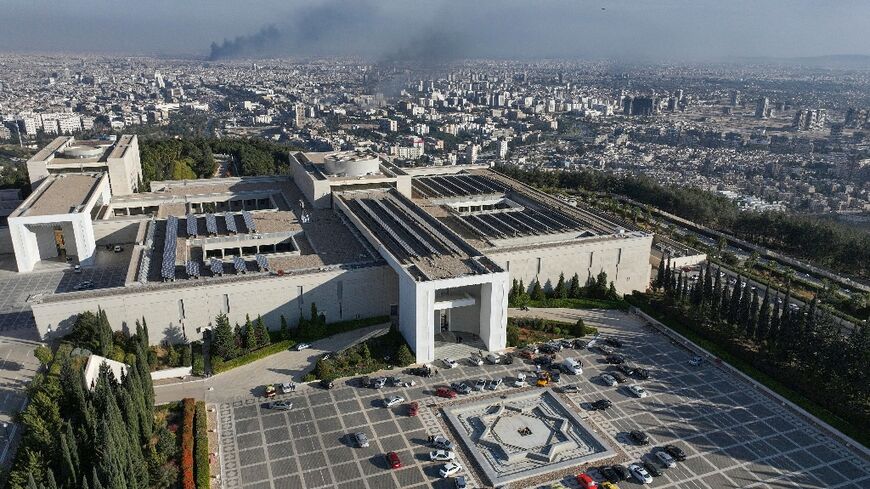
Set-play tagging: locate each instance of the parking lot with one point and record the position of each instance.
(733, 435)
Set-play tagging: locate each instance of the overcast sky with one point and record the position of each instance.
(692, 30)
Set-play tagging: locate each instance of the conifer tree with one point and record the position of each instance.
(250, 335)
(724, 304)
(745, 309)
(707, 296)
(262, 332)
(537, 291)
(68, 466)
(763, 329)
(223, 343)
(775, 321)
(560, 291)
(574, 287)
(752, 323)
(660, 275)
(734, 303)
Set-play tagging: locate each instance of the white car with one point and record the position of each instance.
(442, 456)
(640, 474)
(493, 358)
(288, 387)
(393, 400)
(608, 379)
(475, 360)
(480, 384)
(450, 363)
(638, 391)
(362, 440)
(666, 459)
(494, 384)
(520, 380)
(449, 469)
(302, 346)
(441, 442)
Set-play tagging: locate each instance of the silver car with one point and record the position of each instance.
(281, 405)
(361, 439)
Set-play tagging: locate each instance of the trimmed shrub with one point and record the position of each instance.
(201, 447)
(187, 444)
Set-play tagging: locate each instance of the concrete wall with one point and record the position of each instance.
(5, 241)
(626, 262)
(173, 313)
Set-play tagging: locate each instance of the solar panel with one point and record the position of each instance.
(192, 268)
(191, 226)
(217, 267)
(262, 263)
(211, 224)
(167, 268)
(249, 221)
(231, 223)
(239, 264)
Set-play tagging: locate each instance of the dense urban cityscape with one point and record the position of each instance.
(353, 248)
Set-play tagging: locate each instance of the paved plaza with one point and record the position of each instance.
(734, 435)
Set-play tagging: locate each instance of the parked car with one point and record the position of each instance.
(507, 359)
(475, 360)
(639, 437)
(281, 405)
(520, 381)
(441, 442)
(569, 389)
(571, 366)
(605, 349)
(614, 342)
(393, 460)
(666, 460)
(652, 469)
(614, 359)
(608, 485)
(269, 391)
(638, 391)
(528, 353)
(413, 408)
(461, 387)
(608, 379)
(586, 482)
(641, 373)
(601, 405)
(87, 284)
(625, 368)
(442, 456)
(327, 384)
(77, 269)
(394, 381)
(445, 392)
(480, 384)
(542, 360)
(450, 468)
(393, 400)
(288, 387)
(421, 371)
(494, 384)
(379, 383)
(460, 482)
(361, 440)
(619, 377)
(118, 249)
(676, 452)
(302, 346)
(548, 348)
(609, 474)
(449, 363)
(493, 358)
(579, 344)
(621, 471)
(639, 473)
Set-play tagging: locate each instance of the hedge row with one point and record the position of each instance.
(187, 444)
(218, 365)
(201, 447)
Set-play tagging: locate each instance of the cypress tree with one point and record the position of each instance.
(724, 303)
(674, 281)
(669, 275)
(745, 309)
(96, 484)
(50, 483)
(68, 467)
(734, 303)
(707, 296)
(223, 342)
(561, 291)
(752, 324)
(773, 330)
(105, 334)
(250, 335)
(764, 317)
(574, 287)
(697, 295)
(716, 294)
(660, 275)
(85, 483)
(31, 483)
(262, 332)
(538, 291)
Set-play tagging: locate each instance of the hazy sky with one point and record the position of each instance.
(637, 29)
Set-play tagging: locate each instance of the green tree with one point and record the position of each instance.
(285, 329)
(250, 335)
(560, 291)
(262, 333)
(513, 335)
(574, 287)
(537, 291)
(223, 339)
(404, 357)
(763, 329)
(752, 320)
(660, 274)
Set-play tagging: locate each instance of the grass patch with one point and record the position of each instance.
(860, 435)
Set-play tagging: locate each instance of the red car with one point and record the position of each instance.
(413, 408)
(393, 460)
(445, 392)
(586, 482)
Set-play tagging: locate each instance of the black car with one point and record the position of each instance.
(507, 360)
(609, 474)
(542, 360)
(613, 342)
(394, 381)
(566, 343)
(676, 452)
(579, 344)
(625, 368)
(601, 404)
(569, 389)
(615, 359)
(652, 469)
(640, 373)
(621, 471)
(619, 377)
(421, 371)
(548, 348)
(639, 437)
(555, 374)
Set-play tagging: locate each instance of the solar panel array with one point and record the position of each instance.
(231, 223)
(525, 222)
(216, 266)
(262, 263)
(192, 268)
(249, 221)
(167, 269)
(211, 224)
(457, 186)
(191, 226)
(239, 264)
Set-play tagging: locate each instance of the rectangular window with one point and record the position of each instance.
(180, 308)
(299, 292)
(226, 304)
(539, 266)
(508, 266)
(619, 257)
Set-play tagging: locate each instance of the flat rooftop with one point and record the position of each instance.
(60, 194)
